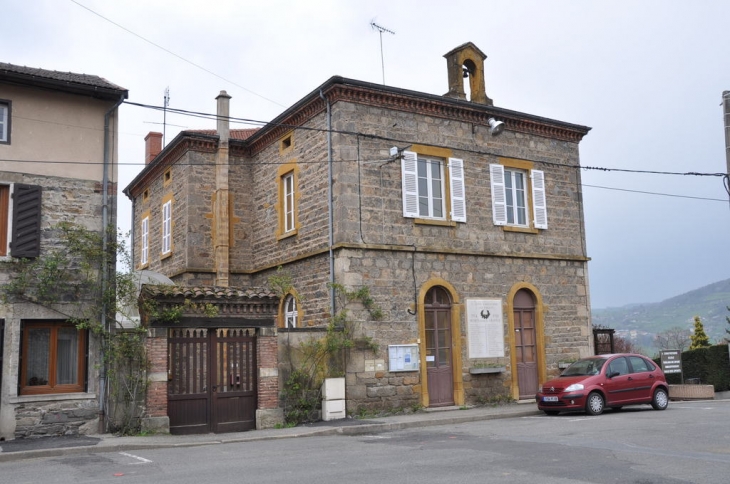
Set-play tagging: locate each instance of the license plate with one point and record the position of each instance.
(549, 399)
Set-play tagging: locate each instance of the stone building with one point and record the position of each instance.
(464, 220)
(58, 163)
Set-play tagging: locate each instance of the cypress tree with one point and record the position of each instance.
(699, 337)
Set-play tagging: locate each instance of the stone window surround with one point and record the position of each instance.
(285, 170)
(526, 166)
(443, 154)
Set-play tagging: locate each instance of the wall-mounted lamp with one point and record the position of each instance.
(495, 127)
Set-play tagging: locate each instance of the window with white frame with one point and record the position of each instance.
(424, 182)
(167, 227)
(514, 200)
(4, 121)
(145, 241)
(288, 208)
(290, 312)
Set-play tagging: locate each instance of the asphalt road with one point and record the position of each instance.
(689, 442)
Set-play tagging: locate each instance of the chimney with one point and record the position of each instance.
(152, 146)
(223, 114)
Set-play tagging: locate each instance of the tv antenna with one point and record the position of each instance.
(164, 114)
(381, 29)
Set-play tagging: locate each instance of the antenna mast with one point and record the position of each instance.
(381, 29)
(164, 114)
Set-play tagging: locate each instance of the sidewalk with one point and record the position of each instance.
(58, 446)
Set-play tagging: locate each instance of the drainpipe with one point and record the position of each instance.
(329, 201)
(105, 247)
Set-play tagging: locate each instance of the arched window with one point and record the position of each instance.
(290, 312)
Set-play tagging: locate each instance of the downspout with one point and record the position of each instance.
(105, 248)
(329, 202)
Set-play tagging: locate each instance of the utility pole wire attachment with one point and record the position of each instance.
(381, 29)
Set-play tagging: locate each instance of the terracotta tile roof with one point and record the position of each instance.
(67, 77)
(241, 134)
(194, 292)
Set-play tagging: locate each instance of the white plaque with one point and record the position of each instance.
(485, 328)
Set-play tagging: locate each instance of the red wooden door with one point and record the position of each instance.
(438, 348)
(525, 344)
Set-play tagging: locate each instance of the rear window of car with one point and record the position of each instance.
(640, 364)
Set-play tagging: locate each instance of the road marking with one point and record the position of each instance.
(141, 460)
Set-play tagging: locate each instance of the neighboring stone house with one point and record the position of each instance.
(464, 220)
(58, 163)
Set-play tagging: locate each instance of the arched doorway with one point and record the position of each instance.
(525, 343)
(439, 347)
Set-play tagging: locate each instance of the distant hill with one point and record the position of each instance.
(644, 320)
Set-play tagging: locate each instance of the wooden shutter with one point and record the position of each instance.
(458, 193)
(539, 201)
(26, 241)
(499, 198)
(409, 172)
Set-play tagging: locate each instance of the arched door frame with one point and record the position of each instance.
(456, 363)
(539, 334)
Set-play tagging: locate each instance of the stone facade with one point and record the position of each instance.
(60, 117)
(373, 243)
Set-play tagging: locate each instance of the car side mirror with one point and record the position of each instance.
(613, 374)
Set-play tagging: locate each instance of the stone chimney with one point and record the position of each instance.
(152, 146)
(223, 114)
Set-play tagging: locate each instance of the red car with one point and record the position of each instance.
(601, 381)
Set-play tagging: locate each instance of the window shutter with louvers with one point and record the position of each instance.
(458, 193)
(539, 200)
(409, 172)
(26, 241)
(499, 198)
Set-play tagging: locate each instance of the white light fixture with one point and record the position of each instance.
(495, 127)
(394, 151)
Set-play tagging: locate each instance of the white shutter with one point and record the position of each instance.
(539, 201)
(499, 198)
(409, 173)
(458, 195)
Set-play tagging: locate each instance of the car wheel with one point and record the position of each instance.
(551, 412)
(595, 404)
(660, 400)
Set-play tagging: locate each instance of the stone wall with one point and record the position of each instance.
(71, 417)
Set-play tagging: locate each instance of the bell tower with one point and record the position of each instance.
(467, 61)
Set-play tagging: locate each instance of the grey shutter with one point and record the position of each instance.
(458, 194)
(409, 172)
(26, 240)
(499, 197)
(539, 200)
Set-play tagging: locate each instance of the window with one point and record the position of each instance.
(619, 366)
(145, 241)
(288, 209)
(167, 227)
(288, 197)
(512, 196)
(290, 312)
(53, 358)
(425, 179)
(4, 121)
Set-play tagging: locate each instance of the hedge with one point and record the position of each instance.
(710, 365)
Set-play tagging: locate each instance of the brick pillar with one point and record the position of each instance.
(268, 413)
(155, 418)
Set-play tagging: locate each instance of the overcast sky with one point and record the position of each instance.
(646, 76)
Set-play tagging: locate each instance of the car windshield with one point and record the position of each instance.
(589, 366)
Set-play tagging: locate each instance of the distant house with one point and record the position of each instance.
(471, 241)
(58, 162)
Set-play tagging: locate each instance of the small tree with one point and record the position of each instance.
(699, 337)
(674, 338)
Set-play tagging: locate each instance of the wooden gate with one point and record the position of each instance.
(212, 385)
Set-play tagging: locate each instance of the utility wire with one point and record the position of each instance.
(655, 193)
(176, 55)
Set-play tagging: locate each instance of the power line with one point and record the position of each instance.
(655, 193)
(176, 55)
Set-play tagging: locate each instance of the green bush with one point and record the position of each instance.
(710, 365)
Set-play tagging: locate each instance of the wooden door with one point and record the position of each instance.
(525, 344)
(212, 380)
(439, 348)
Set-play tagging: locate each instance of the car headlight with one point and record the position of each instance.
(574, 387)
